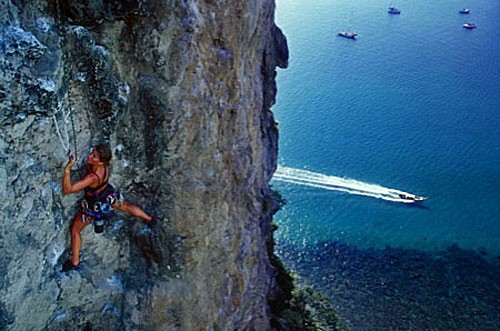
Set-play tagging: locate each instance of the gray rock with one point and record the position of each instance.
(183, 92)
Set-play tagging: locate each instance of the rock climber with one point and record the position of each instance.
(100, 199)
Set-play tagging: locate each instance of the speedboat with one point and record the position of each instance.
(346, 34)
(464, 11)
(411, 197)
(469, 26)
(393, 10)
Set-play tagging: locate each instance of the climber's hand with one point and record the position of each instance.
(71, 162)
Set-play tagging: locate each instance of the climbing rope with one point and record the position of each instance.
(64, 143)
(67, 95)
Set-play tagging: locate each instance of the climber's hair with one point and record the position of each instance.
(105, 153)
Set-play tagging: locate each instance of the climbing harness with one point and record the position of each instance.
(98, 207)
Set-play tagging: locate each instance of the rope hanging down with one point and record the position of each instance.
(64, 142)
(67, 95)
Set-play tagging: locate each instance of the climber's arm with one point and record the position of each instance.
(67, 187)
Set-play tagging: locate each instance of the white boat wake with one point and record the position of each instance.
(334, 183)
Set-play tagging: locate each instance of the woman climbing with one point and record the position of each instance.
(99, 201)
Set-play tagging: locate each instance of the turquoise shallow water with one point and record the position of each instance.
(412, 104)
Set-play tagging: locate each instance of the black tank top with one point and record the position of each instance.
(95, 190)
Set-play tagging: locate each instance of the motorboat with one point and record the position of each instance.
(464, 11)
(393, 10)
(469, 26)
(411, 197)
(346, 34)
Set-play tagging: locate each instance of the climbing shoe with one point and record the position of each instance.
(68, 266)
(152, 224)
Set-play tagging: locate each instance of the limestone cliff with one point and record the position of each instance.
(182, 89)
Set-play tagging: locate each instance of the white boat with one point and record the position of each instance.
(464, 11)
(346, 34)
(411, 197)
(469, 26)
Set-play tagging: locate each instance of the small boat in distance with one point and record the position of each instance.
(469, 26)
(393, 10)
(346, 34)
(464, 11)
(411, 197)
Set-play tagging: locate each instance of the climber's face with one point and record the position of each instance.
(93, 158)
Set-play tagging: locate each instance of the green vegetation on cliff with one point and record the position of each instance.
(297, 307)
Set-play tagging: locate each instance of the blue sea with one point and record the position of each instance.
(413, 105)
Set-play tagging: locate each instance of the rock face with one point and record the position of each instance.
(182, 90)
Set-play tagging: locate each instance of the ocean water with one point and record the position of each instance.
(412, 105)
